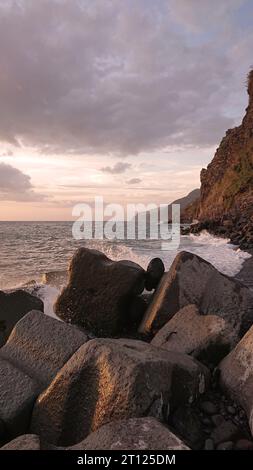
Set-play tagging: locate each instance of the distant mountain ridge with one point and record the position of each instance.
(186, 201)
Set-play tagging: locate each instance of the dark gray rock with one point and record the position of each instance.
(99, 292)
(192, 280)
(40, 345)
(37, 348)
(13, 306)
(18, 393)
(107, 380)
(154, 274)
(188, 426)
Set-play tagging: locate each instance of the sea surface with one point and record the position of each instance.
(30, 249)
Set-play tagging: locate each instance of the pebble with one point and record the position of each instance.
(208, 407)
(225, 432)
(225, 446)
(231, 410)
(209, 445)
(206, 421)
(217, 420)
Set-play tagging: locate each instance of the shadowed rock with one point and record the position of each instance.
(13, 306)
(192, 280)
(107, 380)
(236, 374)
(155, 271)
(99, 292)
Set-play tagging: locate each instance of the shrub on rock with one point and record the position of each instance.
(107, 380)
(192, 280)
(99, 292)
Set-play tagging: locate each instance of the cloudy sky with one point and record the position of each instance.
(127, 99)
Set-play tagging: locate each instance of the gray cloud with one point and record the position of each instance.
(134, 181)
(119, 167)
(6, 153)
(16, 186)
(119, 77)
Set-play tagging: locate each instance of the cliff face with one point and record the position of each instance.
(227, 183)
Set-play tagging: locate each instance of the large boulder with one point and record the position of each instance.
(236, 374)
(192, 280)
(37, 349)
(99, 292)
(110, 379)
(132, 434)
(208, 338)
(13, 306)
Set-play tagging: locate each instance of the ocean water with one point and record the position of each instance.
(30, 249)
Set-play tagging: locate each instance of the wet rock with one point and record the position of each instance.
(226, 431)
(154, 274)
(107, 380)
(208, 338)
(188, 426)
(25, 442)
(236, 374)
(37, 348)
(99, 292)
(14, 306)
(192, 280)
(142, 434)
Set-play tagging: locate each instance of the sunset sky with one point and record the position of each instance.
(126, 99)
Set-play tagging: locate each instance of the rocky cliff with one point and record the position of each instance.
(226, 197)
